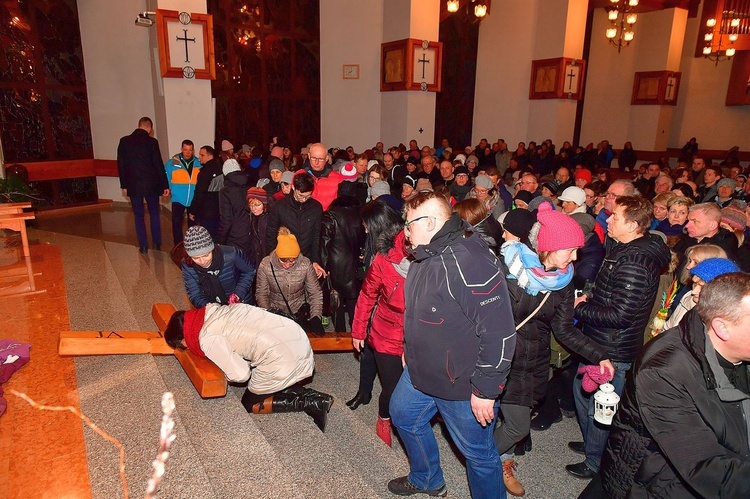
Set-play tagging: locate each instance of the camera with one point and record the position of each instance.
(145, 19)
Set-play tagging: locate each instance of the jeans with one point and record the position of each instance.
(411, 412)
(595, 434)
(178, 215)
(140, 221)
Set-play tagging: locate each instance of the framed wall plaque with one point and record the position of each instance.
(186, 44)
(656, 88)
(351, 71)
(557, 78)
(411, 64)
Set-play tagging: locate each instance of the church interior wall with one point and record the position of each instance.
(351, 33)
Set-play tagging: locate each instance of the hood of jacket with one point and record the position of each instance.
(236, 178)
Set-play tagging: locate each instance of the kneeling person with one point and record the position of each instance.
(239, 336)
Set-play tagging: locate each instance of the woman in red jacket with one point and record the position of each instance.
(383, 291)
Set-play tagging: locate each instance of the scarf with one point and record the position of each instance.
(209, 278)
(191, 330)
(524, 266)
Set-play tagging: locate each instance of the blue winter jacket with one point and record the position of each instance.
(181, 182)
(236, 276)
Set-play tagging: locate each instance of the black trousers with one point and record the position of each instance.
(389, 369)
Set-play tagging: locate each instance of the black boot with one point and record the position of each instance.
(523, 446)
(359, 399)
(317, 405)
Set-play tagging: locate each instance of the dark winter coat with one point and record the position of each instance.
(205, 203)
(529, 372)
(588, 262)
(458, 333)
(235, 215)
(342, 237)
(723, 239)
(258, 228)
(236, 276)
(383, 291)
(680, 430)
(491, 231)
(140, 166)
(624, 292)
(302, 219)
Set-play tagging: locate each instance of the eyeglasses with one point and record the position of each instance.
(407, 224)
(317, 160)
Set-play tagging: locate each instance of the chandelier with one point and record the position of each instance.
(620, 32)
(479, 7)
(716, 48)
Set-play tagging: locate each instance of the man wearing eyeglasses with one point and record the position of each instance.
(327, 183)
(459, 339)
(303, 215)
(616, 189)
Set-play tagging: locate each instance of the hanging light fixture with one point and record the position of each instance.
(729, 28)
(452, 6)
(476, 10)
(622, 19)
(480, 10)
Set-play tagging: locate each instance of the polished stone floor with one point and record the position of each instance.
(88, 275)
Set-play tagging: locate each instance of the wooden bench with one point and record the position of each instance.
(11, 208)
(17, 221)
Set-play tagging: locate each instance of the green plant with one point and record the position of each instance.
(14, 190)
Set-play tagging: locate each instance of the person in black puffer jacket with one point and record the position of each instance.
(215, 274)
(234, 229)
(681, 428)
(618, 311)
(342, 238)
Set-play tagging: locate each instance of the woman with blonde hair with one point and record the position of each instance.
(693, 256)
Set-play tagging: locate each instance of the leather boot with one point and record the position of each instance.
(359, 399)
(383, 430)
(512, 485)
(523, 446)
(287, 400)
(316, 405)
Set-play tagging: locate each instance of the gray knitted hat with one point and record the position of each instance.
(198, 241)
(380, 188)
(276, 164)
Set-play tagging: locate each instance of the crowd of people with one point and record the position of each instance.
(495, 288)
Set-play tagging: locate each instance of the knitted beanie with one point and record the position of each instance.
(461, 158)
(226, 145)
(484, 181)
(574, 195)
(230, 165)
(349, 172)
(558, 230)
(380, 188)
(410, 181)
(535, 203)
(245, 149)
(473, 159)
(584, 174)
(519, 222)
(551, 186)
(276, 164)
(726, 182)
(287, 177)
(286, 245)
(198, 241)
(711, 268)
(524, 196)
(257, 193)
(733, 217)
(461, 170)
(423, 184)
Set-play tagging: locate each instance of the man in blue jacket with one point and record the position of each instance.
(182, 172)
(459, 339)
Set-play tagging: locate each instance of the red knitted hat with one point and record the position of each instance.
(558, 230)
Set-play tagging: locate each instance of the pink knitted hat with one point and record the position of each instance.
(349, 172)
(558, 230)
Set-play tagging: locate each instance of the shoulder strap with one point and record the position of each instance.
(280, 291)
(532, 314)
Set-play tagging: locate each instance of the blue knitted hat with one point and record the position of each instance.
(711, 268)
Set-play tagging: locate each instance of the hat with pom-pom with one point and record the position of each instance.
(349, 172)
(557, 231)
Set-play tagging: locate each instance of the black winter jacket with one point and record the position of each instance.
(205, 203)
(302, 219)
(529, 372)
(235, 215)
(342, 238)
(236, 276)
(258, 228)
(140, 166)
(459, 335)
(624, 292)
(491, 231)
(680, 430)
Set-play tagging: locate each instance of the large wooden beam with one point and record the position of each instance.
(112, 343)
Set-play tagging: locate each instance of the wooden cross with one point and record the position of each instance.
(207, 378)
